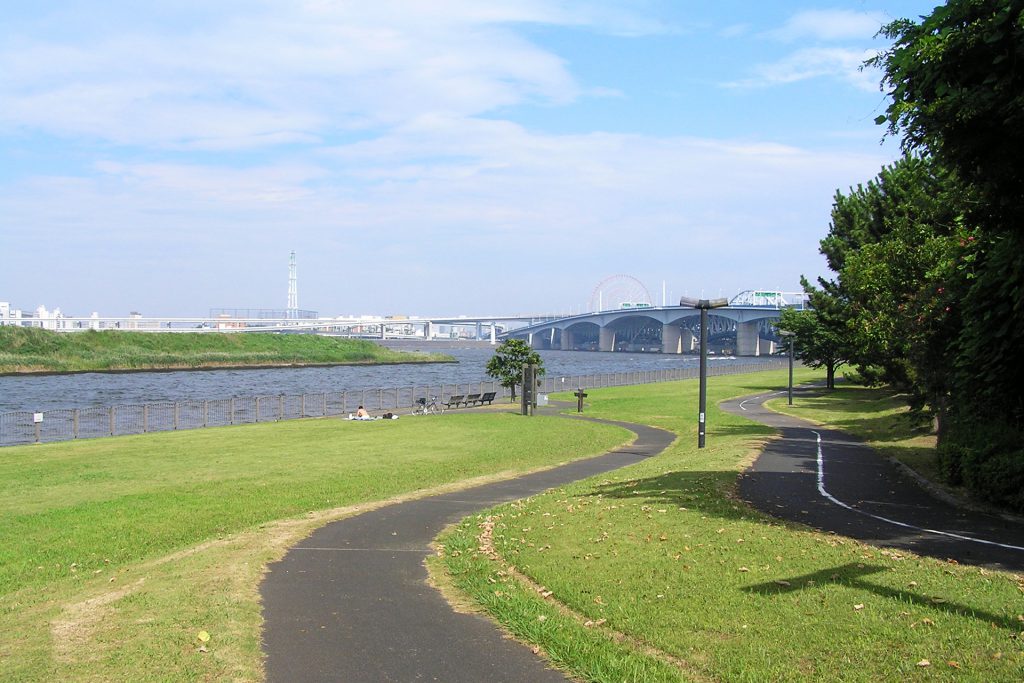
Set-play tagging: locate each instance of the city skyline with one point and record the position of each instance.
(458, 159)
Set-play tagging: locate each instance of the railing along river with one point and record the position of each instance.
(25, 427)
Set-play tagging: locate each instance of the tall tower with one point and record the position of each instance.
(293, 289)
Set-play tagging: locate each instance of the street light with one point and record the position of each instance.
(786, 334)
(703, 305)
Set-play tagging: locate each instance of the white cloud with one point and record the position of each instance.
(815, 62)
(281, 73)
(447, 195)
(830, 26)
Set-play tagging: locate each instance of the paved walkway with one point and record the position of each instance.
(351, 602)
(830, 481)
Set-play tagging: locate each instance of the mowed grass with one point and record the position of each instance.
(116, 553)
(657, 572)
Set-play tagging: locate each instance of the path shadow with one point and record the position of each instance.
(853, 575)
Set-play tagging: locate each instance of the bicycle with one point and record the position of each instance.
(424, 408)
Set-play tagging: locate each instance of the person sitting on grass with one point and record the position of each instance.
(361, 414)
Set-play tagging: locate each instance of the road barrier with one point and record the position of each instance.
(26, 427)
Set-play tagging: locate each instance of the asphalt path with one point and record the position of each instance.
(830, 481)
(351, 601)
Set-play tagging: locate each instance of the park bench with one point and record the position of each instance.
(471, 399)
(487, 398)
(454, 401)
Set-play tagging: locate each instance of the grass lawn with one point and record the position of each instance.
(116, 553)
(24, 349)
(658, 573)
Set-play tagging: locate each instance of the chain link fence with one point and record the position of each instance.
(26, 427)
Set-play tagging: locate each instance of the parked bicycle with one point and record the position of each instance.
(422, 407)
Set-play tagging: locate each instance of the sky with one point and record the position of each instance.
(426, 158)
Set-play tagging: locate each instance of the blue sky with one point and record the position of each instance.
(447, 157)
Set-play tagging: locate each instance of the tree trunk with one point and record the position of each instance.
(830, 377)
(513, 387)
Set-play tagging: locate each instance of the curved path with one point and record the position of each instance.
(829, 480)
(351, 602)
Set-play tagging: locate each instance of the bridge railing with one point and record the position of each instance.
(26, 427)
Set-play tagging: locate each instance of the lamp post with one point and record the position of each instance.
(786, 334)
(704, 305)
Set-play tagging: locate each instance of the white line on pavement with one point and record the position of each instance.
(830, 497)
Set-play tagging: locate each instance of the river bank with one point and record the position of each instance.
(28, 351)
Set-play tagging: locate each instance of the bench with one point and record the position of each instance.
(454, 401)
(471, 399)
(488, 398)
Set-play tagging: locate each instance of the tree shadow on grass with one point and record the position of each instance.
(853, 574)
(705, 491)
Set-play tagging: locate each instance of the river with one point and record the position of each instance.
(51, 392)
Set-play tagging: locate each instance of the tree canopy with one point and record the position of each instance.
(508, 361)
(929, 256)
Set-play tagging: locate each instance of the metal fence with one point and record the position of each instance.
(25, 427)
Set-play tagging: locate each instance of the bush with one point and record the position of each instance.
(988, 458)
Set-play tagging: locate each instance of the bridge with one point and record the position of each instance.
(746, 327)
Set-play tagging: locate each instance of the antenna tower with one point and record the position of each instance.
(293, 289)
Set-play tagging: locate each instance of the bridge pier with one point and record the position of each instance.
(606, 341)
(747, 339)
(567, 340)
(676, 340)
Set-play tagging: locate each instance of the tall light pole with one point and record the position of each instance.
(791, 336)
(704, 305)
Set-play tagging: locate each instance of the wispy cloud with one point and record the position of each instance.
(814, 62)
(834, 45)
(829, 26)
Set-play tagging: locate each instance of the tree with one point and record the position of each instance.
(893, 243)
(957, 91)
(508, 361)
(814, 344)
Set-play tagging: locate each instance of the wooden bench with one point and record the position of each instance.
(471, 399)
(454, 401)
(488, 398)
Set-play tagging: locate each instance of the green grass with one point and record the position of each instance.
(658, 573)
(25, 349)
(115, 553)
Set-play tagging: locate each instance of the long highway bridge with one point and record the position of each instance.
(746, 327)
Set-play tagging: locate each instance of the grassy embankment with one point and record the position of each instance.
(658, 573)
(25, 349)
(115, 553)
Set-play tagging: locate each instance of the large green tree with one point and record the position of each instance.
(814, 342)
(892, 243)
(957, 93)
(508, 361)
(956, 88)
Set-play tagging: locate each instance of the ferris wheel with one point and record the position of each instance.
(620, 291)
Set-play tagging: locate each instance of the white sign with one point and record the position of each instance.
(37, 417)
